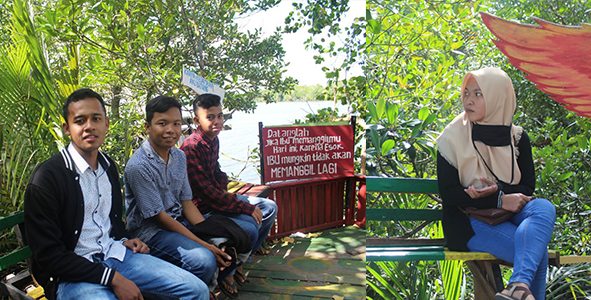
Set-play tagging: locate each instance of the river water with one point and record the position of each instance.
(236, 144)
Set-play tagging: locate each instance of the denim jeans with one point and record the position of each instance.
(185, 253)
(247, 222)
(169, 281)
(522, 241)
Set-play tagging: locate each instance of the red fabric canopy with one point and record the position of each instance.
(556, 58)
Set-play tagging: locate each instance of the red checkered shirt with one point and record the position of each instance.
(208, 182)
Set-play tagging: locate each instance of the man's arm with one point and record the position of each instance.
(221, 177)
(168, 223)
(192, 213)
(148, 199)
(204, 186)
(45, 237)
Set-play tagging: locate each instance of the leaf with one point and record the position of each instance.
(381, 107)
(392, 113)
(565, 176)
(387, 146)
(375, 138)
(423, 113)
(373, 113)
(374, 26)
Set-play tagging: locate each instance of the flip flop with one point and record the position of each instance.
(229, 289)
(240, 278)
(512, 289)
(263, 251)
(212, 296)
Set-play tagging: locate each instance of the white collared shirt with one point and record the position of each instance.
(96, 191)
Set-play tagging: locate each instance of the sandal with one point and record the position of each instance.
(512, 289)
(263, 251)
(240, 277)
(212, 296)
(229, 289)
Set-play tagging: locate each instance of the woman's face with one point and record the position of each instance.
(473, 101)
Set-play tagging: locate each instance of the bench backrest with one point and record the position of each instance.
(402, 186)
(20, 254)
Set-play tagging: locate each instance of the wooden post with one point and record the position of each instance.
(262, 159)
(485, 283)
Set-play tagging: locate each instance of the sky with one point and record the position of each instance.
(301, 63)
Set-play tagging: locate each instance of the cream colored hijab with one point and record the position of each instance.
(455, 142)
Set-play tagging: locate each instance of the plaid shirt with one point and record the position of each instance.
(208, 182)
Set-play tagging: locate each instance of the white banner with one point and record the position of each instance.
(200, 84)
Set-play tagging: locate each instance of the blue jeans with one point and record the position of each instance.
(185, 253)
(522, 241)
(169, 282)
(257, 232)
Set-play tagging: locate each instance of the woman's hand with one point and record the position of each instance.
(514, 202)
(490, 187)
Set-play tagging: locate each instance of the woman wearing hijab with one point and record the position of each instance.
(484, 161)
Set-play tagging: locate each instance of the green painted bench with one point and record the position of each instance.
(484, 266)
(14, 284)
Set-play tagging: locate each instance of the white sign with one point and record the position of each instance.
(200, 84)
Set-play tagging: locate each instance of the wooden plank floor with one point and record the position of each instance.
(326, 265)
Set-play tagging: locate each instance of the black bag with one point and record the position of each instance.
(217, 226)
(492, 216)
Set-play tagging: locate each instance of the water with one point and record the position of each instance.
(236, 144)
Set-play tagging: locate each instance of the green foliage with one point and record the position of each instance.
(17, 158)
(29, 119)
(5, 15)
(323, 18)
(397, 280)
(140, 48)
(127, 50)
(125, 135)
(417, 53)
(323, 115)
(569, 282)
(305, 93)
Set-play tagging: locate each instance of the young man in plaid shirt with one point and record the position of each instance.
(209, 184)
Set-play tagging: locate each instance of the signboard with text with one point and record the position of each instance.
(200, 84)
(300, 152)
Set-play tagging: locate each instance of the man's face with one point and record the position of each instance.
(86, 125)
(211, 120)
(165, 129)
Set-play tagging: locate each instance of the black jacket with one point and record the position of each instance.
(456, 225)
(54, 213)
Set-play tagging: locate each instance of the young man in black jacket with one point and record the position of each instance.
(73, 221)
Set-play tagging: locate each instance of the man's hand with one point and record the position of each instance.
(137, 246)
(124, 288)
(257, 214)
(515, 202)
(223, 259)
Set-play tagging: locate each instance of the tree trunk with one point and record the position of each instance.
(116, 102)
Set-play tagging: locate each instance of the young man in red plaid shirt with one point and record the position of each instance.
(209, 184)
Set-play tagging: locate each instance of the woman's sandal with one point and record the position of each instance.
(512, 289)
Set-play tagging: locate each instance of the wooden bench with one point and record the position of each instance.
(248, 189)
(484, 266)
(17, 260)
(14, 285)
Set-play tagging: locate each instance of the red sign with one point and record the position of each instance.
(298, 152)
